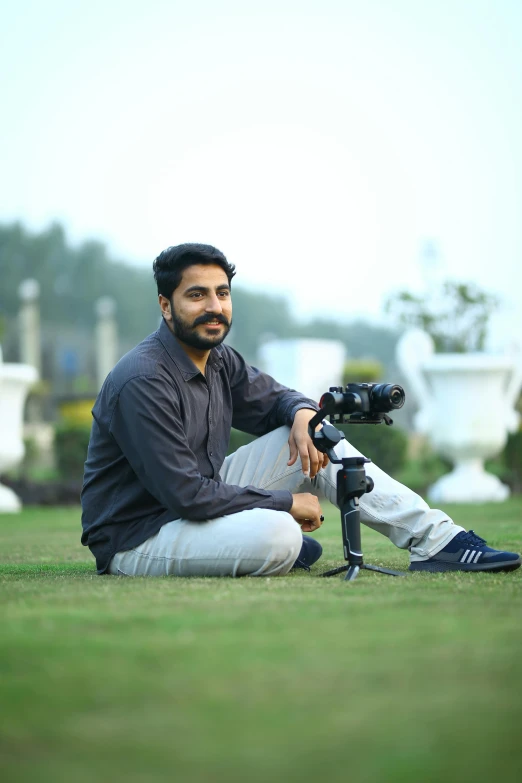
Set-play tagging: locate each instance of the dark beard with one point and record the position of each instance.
(187, 334)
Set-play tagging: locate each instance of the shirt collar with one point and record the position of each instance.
(182, 361)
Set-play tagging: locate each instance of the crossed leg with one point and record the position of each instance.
(262, 542)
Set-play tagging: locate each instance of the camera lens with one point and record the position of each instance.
(397, 397)
(386, 397)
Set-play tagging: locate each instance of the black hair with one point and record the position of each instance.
(168, 267)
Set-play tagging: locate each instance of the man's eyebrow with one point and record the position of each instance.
(222, 287)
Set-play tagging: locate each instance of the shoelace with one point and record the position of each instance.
(471, 538)
(299, 564)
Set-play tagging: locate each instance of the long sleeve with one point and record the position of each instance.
(147, 425)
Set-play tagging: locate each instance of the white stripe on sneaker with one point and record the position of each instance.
(478, 555)
(464, 556)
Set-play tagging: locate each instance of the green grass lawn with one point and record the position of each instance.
(290, 678)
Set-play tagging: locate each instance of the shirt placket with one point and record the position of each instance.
(210, 415)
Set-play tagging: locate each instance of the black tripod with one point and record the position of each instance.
(352, 482)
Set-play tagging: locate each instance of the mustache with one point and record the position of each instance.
(206, 319)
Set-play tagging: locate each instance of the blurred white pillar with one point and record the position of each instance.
(29, 320)
(106, 337)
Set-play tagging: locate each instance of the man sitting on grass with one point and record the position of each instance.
(160, 498)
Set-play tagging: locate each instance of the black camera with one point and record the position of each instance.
(362, 403)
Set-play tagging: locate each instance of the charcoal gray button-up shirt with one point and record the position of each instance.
(159, 438)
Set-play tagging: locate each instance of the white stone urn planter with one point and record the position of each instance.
(15, 383)
(466, 409)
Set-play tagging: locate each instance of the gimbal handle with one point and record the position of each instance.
(327, 437)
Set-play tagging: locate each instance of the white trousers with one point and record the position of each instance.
(261, 542)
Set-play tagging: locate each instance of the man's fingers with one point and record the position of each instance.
(309, 525)
(311, 460)
(306, 511)
(323, 461)
(305, 461)
(293, 451)
(315, 461)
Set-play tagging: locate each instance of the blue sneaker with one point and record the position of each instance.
(310, 553)
(468, 552)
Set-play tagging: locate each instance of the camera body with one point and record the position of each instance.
(362, 403)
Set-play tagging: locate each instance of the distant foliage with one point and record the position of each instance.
(71, 442)
(513, 461)
(362, 371)
(72, 278)
(238, 439)
(386, 446)
(456, 316)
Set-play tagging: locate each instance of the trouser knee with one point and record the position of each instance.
(286, 540)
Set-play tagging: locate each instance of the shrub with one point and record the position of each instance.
(238, 439)
(508, 465)
(362, 371)
(386, 446)
(71, 443)
(513, 460)
(423, 470)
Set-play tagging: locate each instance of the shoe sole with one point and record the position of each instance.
(439, 566)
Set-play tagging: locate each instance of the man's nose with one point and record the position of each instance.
(214, 304)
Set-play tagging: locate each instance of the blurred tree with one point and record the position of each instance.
(362, 339)
(456, 317)
(255, 317)
(72, 278)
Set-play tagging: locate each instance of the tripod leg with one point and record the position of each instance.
(351, 573)
(388, 571)
(335, 571)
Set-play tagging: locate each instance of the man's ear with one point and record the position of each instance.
(165, 307)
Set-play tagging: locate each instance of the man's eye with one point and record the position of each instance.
(224, 294)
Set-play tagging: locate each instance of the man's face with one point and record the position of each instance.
(201, 307)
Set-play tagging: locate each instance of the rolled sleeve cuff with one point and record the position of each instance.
(283, 499)
(311, 406)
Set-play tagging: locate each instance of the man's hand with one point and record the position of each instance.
(306, 511)
(301, 445)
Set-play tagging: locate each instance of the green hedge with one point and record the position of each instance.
(386, 446)
(71, 442)
(238, 439)
(513, 461)
(508, 465)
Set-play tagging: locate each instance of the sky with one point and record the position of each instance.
(334, 151)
